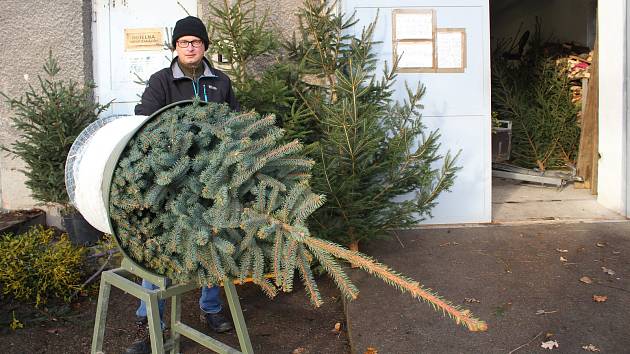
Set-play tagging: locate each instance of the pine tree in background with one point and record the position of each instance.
(534, 93)
(48, 120)
(375, 163)
(263, 78)
(207, 195)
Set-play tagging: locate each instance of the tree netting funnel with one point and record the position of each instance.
(200, 194)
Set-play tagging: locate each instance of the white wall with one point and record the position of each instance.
(116, 70)
(612, 123)
(458, 104)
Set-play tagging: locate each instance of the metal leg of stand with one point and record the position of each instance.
(176, 316)
(155, 326)
(237, 317)
(120, 279)
(101, 316)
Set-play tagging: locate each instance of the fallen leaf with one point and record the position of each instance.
(550, 344)
(54, 330)
(600, 244)
(600, 298)
(562, 259)
(608, 271)
(371, 350)
(586, 280)
(471, 300)
(299, 350)
(337, 327)
(562, 251)
(590, 348)
(543, 312)
(616, 252)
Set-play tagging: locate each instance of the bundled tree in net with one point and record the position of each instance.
(207, 195)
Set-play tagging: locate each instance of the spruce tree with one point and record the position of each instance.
(48, 120)
(208, 195)
(263, 78)
(534, 93)
(376, 163)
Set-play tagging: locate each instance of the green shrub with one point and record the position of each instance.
(37, 266)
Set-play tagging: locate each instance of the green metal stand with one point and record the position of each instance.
(120, 278)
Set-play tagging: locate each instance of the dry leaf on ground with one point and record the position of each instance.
(608, 271)
(55, 330)
(550, 344)
(590, 348)
(337, 327)
(586, 280)
(543, 312)
(471, 300)
(299, 350)
(561, 250)
(562, 259)
(600, 244)
(371, 350)
(600, 298)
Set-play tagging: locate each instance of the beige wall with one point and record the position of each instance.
(28, 28)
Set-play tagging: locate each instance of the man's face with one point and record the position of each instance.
(189, 55)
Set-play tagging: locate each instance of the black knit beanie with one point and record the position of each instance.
(190, 26)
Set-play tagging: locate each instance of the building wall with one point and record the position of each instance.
(612, 121)
(28, 29)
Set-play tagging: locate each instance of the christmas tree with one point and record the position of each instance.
(379, 167)
(208, 195)
(48, 120)
(534, 93)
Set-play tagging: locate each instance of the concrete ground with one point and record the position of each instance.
(514, 201)
(513, 277)
(520, 274)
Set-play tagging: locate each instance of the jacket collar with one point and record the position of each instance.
(179, 74)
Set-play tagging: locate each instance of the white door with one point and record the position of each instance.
(129, 43)
(457, 102)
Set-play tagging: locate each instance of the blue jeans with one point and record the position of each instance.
(209, 302)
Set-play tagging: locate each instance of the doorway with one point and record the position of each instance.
(543, 186)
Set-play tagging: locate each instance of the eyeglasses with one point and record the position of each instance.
(184, 44)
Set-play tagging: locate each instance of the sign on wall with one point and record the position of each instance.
(137, 39)
(423, 47)
(130, 44)
(444, 46)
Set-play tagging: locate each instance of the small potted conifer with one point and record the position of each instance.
(48, 120)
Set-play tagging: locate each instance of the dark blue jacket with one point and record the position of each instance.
(171, 85)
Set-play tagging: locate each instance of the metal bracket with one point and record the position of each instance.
(121, 278)
(554, 178)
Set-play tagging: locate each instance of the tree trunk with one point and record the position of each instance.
(354, 246)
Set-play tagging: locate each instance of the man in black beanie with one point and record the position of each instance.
(188, 76)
